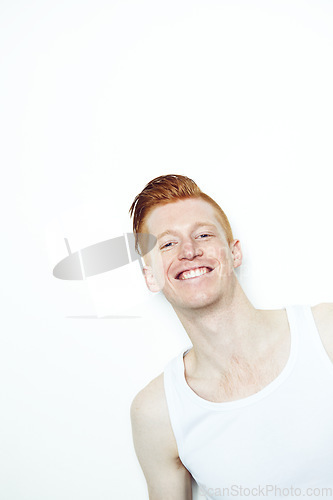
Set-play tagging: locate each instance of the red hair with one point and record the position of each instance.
(168, 189)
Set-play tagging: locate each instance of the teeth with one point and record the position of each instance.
(193, 273)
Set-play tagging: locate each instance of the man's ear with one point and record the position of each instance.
(236, 251)
(151, 282)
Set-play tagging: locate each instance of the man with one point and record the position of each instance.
(249, 408)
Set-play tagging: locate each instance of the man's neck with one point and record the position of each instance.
(230, 329)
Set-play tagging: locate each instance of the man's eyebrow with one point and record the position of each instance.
(168, 231)
(196, 225)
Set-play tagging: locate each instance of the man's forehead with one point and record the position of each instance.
(182, 213)
(193, 226)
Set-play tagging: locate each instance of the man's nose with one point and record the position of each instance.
(189, 249)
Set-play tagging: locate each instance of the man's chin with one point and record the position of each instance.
(194, 303)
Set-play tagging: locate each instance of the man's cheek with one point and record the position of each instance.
(159, 269)
(161, 280)
(220, 256)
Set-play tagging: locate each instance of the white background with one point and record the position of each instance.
(97, 98)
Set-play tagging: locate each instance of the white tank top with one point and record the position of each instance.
(275, 443)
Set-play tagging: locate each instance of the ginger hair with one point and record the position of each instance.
(169, 189)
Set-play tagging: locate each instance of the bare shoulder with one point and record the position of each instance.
(323, 316)
(150, 402)
(155, 445)
(153, 390)
(149, 413)
(323, 309)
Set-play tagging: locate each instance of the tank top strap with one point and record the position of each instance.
(311, 348)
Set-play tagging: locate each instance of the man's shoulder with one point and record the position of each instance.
(150, 402)
(152, 399)
(150, 417)
(323, 316)
(324, 308)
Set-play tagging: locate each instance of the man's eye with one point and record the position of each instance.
(167, 245)
(204, 235)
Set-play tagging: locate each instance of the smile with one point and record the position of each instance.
(193, 273)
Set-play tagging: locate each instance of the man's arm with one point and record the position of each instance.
(155, 445)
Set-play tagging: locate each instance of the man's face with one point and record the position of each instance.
(191, 262)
